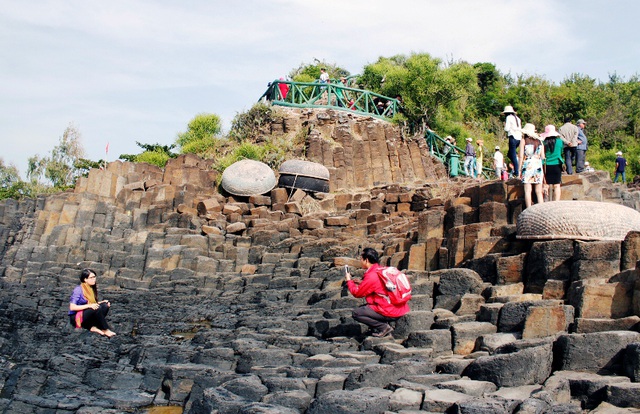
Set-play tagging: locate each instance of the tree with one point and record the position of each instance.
(426, 85)
(154, 154)
(59, 167)
(201, 135)
(491, 84)
(9, 175)
(310, 72)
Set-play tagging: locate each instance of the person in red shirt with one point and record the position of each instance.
(378, 311)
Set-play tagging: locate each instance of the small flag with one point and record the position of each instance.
(106, 150)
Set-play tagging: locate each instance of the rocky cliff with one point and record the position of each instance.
(236, 305)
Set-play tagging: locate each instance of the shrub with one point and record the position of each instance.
(248, 126)
(244, 151)
(153, 157)
(201, 133)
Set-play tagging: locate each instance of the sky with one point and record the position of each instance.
(122, 71)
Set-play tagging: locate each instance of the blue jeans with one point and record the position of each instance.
(513, 154)
(469, 167)
(569, 157)
(580, 159)
(624, 177)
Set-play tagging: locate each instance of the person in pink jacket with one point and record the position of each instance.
(378, 312)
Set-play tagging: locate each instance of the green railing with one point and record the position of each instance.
(330, 95)
(451, 156)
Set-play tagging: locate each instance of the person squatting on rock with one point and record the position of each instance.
(84, 309)
(378, 312)
(553, 160)
(512, 125)
(469, 159)
(532, 157)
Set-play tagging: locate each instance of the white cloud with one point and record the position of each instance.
(139, 70)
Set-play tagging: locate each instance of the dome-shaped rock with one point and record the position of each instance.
(305, 175)
(247, 178)
(580, 220)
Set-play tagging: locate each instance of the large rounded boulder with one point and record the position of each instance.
(578, 220)
(247, 178)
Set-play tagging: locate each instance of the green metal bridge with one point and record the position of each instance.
(451, 156)
(335, 95)
(338, 95)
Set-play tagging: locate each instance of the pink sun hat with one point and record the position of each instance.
(549, 131)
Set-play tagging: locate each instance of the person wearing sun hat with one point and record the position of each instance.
(470, 155)
(621, 164)
(512, 125)
(532, 157)
(553, 150)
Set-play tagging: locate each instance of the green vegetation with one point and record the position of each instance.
(451, 97)
(251, 125)
(59, 167)
(154, 154)
(464, 100)
(202, 135)
(310, 72)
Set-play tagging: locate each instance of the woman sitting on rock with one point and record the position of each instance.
(84, 309)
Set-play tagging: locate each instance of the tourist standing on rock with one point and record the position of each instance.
(621, 164)
(84, 309)
(324, 76)
(553, 149)
(378, 312)
(569, 135)
(479, 157)
(447, 145)
(498, 162)
(470, 156)
(341, 95)
(284, 89)
(532, 156)
(581, 148)
(512, 125)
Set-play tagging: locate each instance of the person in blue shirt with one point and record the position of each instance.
(469, 159)
(621, 164)
(581, 149)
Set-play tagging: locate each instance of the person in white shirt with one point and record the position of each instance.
(512, 125)
(324, 76)
(498, 162)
